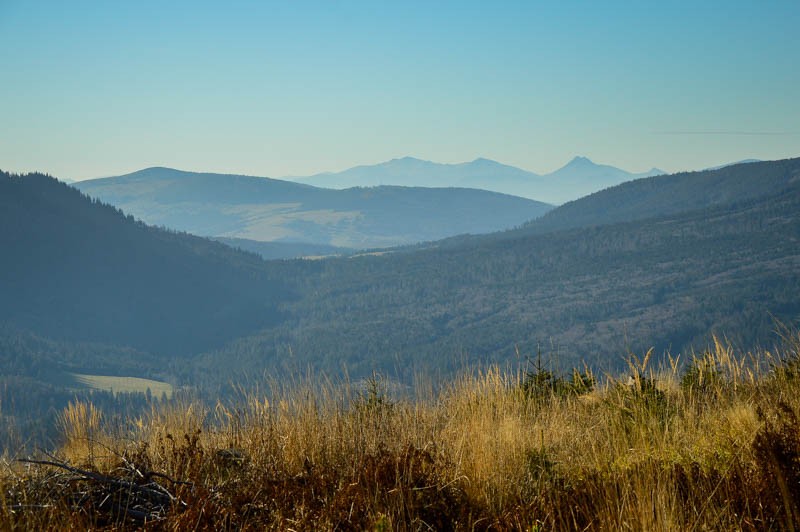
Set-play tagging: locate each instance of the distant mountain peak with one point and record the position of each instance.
(580, 160)
(158, 171)
(579, 177)
(483, 162)
(411, 159)
(579, 163)
(151, 169)
(402, 161)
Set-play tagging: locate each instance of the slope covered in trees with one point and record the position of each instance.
(75, 269)
(582, 295)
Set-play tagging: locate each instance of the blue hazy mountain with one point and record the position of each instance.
(272, 210)
(582, 176)
(409, 171)
(576, 179)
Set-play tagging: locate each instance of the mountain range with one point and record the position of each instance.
(665, 274)
(663, 262)
(577, 178)
(271, 210)
(79, 270)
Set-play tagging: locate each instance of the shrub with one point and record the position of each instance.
(540, 383)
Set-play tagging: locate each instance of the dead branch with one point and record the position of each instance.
(141, 502)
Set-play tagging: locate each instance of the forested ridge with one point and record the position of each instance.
(583, 295)
(88, 288)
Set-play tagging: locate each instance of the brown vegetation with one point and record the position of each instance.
(712, 446)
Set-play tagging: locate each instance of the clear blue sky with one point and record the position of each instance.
(91, 89)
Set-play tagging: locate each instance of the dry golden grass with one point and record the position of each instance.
(716, 447)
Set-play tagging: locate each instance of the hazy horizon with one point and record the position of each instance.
(376, 163)
(97, 89)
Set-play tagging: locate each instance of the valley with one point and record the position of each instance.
(612, 273)
(399, 266)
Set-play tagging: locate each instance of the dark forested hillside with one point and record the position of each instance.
(586, 294)
(74, 269)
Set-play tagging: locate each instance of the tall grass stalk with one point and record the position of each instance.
(712, 443)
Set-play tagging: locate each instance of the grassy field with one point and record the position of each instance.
(709, 445)
(123, 384)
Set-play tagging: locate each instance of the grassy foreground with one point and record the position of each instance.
(715, 446)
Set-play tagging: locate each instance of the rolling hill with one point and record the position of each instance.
(263, 209)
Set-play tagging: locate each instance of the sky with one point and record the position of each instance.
(93, 89)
